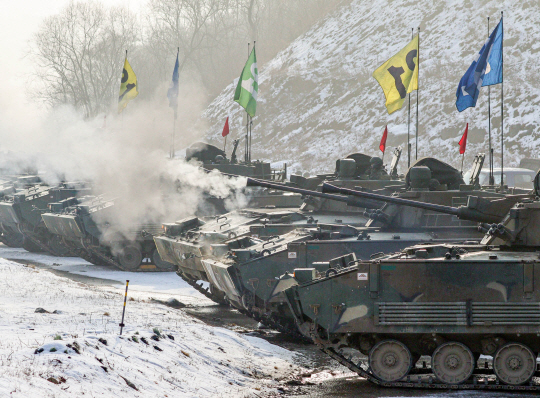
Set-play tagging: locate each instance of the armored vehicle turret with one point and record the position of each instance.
(21, 211)
(451, 302)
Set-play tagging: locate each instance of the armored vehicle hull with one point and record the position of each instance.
(85, 227)
(462, 303)
(22, 212)
(453, 303)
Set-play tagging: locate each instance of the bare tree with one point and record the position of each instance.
(79, 55)
(79, 52)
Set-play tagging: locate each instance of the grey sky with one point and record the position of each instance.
(18, 21)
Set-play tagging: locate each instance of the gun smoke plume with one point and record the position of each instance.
(124, 156)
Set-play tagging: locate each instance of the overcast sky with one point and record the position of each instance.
(18, 21)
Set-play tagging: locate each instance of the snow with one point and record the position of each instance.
(318, 100)
(38, 355)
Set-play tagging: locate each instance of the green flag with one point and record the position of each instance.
(248, 85)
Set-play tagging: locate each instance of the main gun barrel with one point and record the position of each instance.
(351, 201)
(477, 209)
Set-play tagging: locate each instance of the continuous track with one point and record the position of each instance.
(483, 379)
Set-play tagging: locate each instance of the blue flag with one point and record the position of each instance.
(485, 70)
(172, 93)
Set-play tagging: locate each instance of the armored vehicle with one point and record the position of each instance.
(452, 302)
(21, 211)
(86, 226)
(9, 185)
(248, 275)
(186, 242)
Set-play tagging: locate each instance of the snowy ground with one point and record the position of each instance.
(202, 361)
(186, 357)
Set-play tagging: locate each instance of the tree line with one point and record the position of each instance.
(79, 52)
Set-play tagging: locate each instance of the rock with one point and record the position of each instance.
(157, 348)
(39, 351)
(172, 302)
(155, 337)
(129, 383)
(143, 339)
(102, 341)
(40, 310)
(170, 336)
(57, 312)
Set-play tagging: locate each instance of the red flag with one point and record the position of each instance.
(225, 131)
(382, 145)
(463, 141)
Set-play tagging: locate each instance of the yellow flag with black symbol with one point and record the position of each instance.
(128, 86)
(399, 75)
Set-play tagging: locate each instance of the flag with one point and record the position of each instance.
(225, 131)
(494, 69)
(172, 93)
(128, 86)
(463, 141)
(382, 145)
(469, 85)
(247, 88)
(399, 75)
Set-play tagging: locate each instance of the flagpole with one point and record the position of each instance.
(491, 179)
(409, 122)
(462, 160)
(173, 133)
(417, 92)
(251, 122)
(502, 113)
(246, 156)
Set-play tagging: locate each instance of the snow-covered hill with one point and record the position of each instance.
(318, 101)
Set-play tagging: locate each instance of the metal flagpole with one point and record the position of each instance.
(225, 144)
(409, 122)
(491, 178)
(462, 160)
(417, 92)
(251, 122)
(502, 114)
(246, 156)
(173, 133)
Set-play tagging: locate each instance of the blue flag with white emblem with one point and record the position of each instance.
(172, 93)
(485, 70)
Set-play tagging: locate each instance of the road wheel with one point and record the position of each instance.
(514, 364)
(452, 363)
(390, 360)
(130, 257)
(161, 264)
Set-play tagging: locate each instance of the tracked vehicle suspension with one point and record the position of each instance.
(420, 378)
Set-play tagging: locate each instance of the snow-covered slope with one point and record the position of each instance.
(318, 101)
(77, 352)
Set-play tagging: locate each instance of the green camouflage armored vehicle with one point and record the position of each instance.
(21, 211)
(186, 242)
(451, 302)
(247, 276)
(85, 225)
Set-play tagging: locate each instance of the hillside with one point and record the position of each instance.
(318, 101)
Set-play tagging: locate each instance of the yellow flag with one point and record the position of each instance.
(128, 86)
(399, 75)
